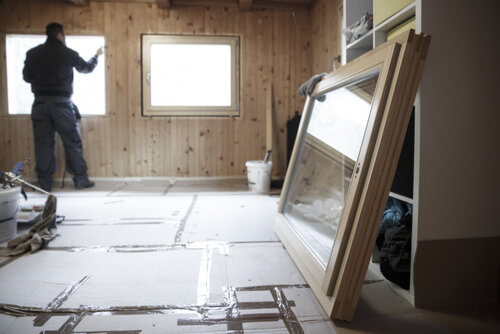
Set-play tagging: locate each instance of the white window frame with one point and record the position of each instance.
(233, 109)
(16, 85)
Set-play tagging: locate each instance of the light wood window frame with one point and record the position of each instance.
(337, 285)
(149, 110)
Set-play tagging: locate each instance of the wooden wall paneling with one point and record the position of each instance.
(257, 92)
(118, 21)
(303, 70)
(206, 154)
(136, 125)
(213, 153)
(117, 144)
(238, 129)
(152, 23)
(11, 148)
(90, 21)
(281, 60)
(221, 154)
(80, 19)
(318, 12)
(162, 23)
(255, 110)
(92, 140)
(98, 139)
(233, 26)
(193, 142)
(297, 61)
(158, 21)
(184, 144)
(244, 137)
(4, 138)
(90, 154)
(230, 166)
(140, 128)
(15, 143)
(262, 82)
(22, 133)
(303, 64)
(107, 135)
(192, 23)
(155, 148)
(209, 135)
(198, 155)
(326, 33)
(165, 156)
(99, 160)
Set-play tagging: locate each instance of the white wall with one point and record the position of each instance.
(459, 181)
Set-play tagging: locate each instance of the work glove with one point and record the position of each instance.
(308, 87)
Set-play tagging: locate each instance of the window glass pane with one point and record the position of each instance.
(89, 89)
(190, 75)
(329, 118)
(18, 91)
(323, 169)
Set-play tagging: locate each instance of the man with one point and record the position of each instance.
(49, 69)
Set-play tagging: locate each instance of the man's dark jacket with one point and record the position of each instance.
(49, 68)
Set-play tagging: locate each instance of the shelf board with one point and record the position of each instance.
(401, 198)
(363, 43)
(398, 18)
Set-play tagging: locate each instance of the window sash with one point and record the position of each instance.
(196, 83)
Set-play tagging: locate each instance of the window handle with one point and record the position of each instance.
(148, 78)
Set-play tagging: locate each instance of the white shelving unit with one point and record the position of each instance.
(378, 34)
(452, 121)
(353, 11)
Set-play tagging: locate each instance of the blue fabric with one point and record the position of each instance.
(392, 215)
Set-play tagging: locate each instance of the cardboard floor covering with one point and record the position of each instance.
(159, 262)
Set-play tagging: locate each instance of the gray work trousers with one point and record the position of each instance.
(51, 114)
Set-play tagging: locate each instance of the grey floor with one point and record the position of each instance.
(172, 256)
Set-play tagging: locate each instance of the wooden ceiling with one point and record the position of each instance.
(243, 5)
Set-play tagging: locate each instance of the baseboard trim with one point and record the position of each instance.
(457, 271)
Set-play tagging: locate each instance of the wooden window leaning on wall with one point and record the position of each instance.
(337, 282)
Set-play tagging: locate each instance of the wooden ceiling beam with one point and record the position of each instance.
(242, 4)
(79, 2)
(269, 4)
(165, 4)
(245, 5)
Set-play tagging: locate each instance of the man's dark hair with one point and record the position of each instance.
(54, 28)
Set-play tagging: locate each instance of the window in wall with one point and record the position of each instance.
(190, 75)
(89, 90)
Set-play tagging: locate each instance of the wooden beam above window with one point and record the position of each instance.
(245, 4)
(79, 2)
(165, 4)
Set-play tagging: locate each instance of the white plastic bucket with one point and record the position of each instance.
(259, 175)
(9, 204)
